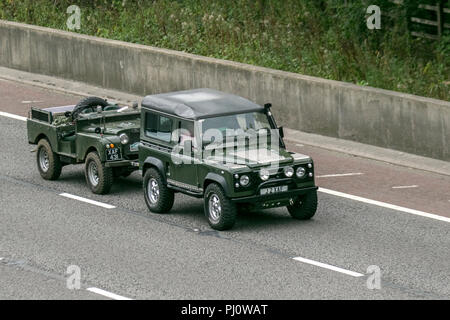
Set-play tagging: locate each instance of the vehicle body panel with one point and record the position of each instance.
(74, 140)
(201, 168)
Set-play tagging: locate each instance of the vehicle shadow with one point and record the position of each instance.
(121, 185)
(270, 218)
(251, 221)
(192, 209)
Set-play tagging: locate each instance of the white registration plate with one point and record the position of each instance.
(272, 190)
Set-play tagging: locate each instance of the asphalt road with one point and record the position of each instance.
(129, 252)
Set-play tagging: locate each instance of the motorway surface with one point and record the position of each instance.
(129, 253)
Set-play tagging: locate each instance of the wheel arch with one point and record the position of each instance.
(89, 150)
(216, 178)
(152, 162)
(40, 137)
(43, 136)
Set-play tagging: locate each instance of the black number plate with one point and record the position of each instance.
(113, 154)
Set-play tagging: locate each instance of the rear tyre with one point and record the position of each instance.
(48, 162)
(219, 210)
(304, 207)
(158, 197)
(98, 177)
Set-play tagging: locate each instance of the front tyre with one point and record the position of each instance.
(158, 197)
(98, 177)
(48, 162)
(304, 207)
(219, 210)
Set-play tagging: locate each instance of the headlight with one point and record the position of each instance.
(124, 139)
(300, 172)
(244, 180)
(288, 171)
(264, 174)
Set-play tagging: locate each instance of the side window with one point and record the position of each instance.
(158, 127)
(186, 130)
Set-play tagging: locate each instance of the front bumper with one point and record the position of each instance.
(282, 196)
(122, 163)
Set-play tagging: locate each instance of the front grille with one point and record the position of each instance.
(134, 136)
(127, 153)
(278, 173)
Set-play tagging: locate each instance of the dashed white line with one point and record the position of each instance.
(340, 175)
(405, 187)
(329, 266)
(107, 294)
(99, 204)
(31, 101)
(12, 116)
(385, 205)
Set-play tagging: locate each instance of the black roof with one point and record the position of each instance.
(199, 103)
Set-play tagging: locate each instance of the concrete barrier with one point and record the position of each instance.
(374, 116)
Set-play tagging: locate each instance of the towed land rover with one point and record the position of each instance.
(102, 135)
(224, 149)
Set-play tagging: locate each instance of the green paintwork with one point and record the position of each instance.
(45, 124)
(193, 178)
(199, 167)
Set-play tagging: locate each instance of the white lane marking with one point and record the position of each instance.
(385, 205)
(300, 145)
(13, 116)
(107, 294)
(329, 266)
(31, 101)
(405, 187)
(100, 204)
(340, 175)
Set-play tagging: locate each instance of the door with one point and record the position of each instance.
(184, 166)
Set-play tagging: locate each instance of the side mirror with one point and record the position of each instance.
(281, 132)
(267, 106)
(135, 105)
(99, 109)
(67, 114)
(98, 130)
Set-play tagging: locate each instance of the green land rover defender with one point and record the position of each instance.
(222, 148)
(102, 135)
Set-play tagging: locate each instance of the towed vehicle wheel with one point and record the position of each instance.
(98, 177)
(219, 210)
(158, 197)
(304, 207)
(48, 162)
